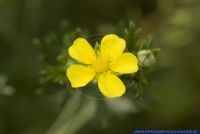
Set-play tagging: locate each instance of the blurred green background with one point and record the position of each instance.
(173, 89)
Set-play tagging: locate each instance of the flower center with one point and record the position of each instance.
(100, 65)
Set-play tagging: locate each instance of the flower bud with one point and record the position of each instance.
(146, 58)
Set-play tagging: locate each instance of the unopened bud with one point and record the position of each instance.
(146, 58)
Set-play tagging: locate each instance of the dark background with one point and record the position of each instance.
(173, 86)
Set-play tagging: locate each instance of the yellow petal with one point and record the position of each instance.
(82, 51)
(126, 63)
(79, 75)
(112, 46)
(111, 86)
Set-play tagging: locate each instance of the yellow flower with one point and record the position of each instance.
(103, 65)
